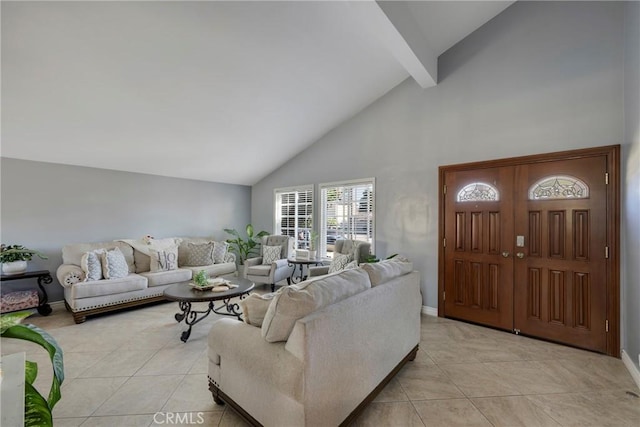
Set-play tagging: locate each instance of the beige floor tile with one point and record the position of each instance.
(171, 361)
(588, 374)
(122, 420)
(392, 392)
(82, 396)
(574, 409)
(455, 352)
(427, 383)
(529, 377)
(450, 413)
(619, 404)
(189, 396)
(513, 411)
(201, 366)
(231, 419)
(477, 380)
(118, 364)
(68, 422)
(389, 414)
(140, 395)
(76, 363)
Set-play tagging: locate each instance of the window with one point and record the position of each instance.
(294, 214)
(559, 187)
(478, 192)
(348, 212)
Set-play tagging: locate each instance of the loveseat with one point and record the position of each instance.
(88, 292)
(324, 349)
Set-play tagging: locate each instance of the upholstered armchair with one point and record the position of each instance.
(272, 265)
(358, 249)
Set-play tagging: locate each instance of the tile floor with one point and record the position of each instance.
(130, 369)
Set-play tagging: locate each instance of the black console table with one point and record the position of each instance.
(43, 277)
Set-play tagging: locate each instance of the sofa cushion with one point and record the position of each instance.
(220, 252)
(199, 254)
(159, 278)
(259, 270)
(383, 271)
(165, 259)
(271, 254)
(297, 301)
(132, 282)
(114, 266)
(183, 249)
(255, 307)
(72, 253)
(214, 270)
(92, 265)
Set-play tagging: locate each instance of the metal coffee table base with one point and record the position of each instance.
(191, 317)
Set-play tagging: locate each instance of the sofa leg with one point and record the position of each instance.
(215, 393)
(273, 287)
(413, 354)
(79, 318)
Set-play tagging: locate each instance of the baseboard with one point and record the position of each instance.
(631, 367)
(429, 311)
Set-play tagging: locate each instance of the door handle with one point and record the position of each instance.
(520, 255)
(506, 254)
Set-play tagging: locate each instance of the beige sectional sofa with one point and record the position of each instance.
(140, 285)
(325, 348)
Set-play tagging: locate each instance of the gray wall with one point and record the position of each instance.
(45, 206)
(540, 77)
(631, 185)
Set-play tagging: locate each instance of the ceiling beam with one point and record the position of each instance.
(396, 28)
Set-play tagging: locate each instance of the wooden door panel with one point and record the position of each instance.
(478, 278)
(560, 283)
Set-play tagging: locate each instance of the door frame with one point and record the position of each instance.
(612, 153)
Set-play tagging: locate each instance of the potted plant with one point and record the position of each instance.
(37, 409)
(243, 248)
(313, 240)
(14, 258)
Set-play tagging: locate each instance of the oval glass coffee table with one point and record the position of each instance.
(186, 294)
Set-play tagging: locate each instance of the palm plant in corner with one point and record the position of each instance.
(244, 248)
(37, 409)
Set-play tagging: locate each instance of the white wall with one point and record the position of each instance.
(45, 206)
(540, 77)
(631, 185)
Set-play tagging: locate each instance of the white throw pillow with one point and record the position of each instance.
(164, 259)
(297, 301)
(339, 262)
(91, 265)
(220, 251)
(255, 307)
(271, 254)
(114, 265)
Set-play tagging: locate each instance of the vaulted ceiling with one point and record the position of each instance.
(214, 91)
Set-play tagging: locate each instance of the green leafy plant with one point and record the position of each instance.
(13, 253)
(37, 409)
(201, 278)
(243, 248)
(313, 240)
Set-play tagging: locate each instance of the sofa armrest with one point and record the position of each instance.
(253, 261)
(318, 270)
(69, 274)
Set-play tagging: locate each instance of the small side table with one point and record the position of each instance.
(43, 277)
(301, 262)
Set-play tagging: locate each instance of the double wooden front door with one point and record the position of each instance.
(527, 246)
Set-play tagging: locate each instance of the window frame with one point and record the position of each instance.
(278, 216)
(322, 231)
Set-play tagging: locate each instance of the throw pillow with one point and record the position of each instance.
(114, 265)
(220, 251)
(164, 259)
(255, 307)
(199, 254)
(270, 254)
(339, 262)
(91, 265)
(294, 302)
(383, 271)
